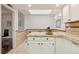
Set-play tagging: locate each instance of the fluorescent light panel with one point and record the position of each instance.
(40, 11)
(29, 5)
(57, 5)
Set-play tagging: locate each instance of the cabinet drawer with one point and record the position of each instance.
(33, 38)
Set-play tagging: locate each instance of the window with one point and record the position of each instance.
(20, 21)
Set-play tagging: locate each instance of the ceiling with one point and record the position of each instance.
(24, 7)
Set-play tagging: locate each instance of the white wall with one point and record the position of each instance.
(15, 26)
(39, 21)
(66, 13)
(58, 17)
(74, 12)
(25, 21)
(64, 16)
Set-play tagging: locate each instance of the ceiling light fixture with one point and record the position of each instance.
(57, 5)
(40, 11)
(29, 5)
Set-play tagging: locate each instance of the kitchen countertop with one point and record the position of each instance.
(43, 34)
(22, 48)
(65, 34)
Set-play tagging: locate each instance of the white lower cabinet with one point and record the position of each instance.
(41, 45)
(48, 48)
(59, 46)
(65, 46)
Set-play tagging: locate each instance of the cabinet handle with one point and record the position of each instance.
(33, 38)
(38, 43)
(52, 43)
(41, 43)
(47, 38)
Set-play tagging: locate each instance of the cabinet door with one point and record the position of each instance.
(48, 48)
(60, 43)
(41, 45)
(65, 46)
